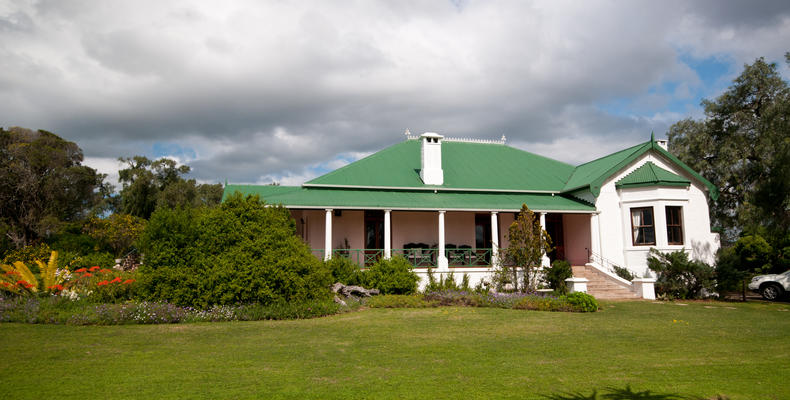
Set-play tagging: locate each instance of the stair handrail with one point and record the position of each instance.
(607, 264)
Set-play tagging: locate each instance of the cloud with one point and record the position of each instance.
(251, 90)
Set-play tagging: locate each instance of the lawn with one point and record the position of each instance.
(694, 350)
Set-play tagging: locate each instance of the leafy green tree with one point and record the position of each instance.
(151, 184)
(750, 255)
(743, 146)
(42, 184)
(528, 243)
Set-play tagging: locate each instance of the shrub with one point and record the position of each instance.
(72, 261)
(393, 276)
(28, 255)
(345, 271)
(679, 277)
(241, 252)
(118, 231)
(582, 302)
(57, 310)
(556, 275)
(398, 301)
(623, 272)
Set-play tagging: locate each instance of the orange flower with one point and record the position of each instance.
(6, 284)
(94, 268)
(88, 274)
(116, 280)
(102, 283)
(81, 270)
(128, 281)
(105, 271)
(25, 284)
(12, 272)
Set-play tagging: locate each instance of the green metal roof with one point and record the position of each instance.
(593, 174)
(650, 174)
(474, 166)
(476, 176)
(312, 197)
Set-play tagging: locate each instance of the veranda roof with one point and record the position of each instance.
(320, 198)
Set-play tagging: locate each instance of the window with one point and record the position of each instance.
(643, 226)
(674, 225)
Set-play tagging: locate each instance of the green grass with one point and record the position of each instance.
(700, 349)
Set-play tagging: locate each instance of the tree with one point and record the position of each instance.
(742, 146)
(528, 243)
(151, 184)
(42, 184)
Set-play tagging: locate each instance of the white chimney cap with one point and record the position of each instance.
(432, 135)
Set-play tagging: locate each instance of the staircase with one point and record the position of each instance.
(602, 285)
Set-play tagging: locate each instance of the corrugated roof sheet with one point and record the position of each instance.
(466, 166)
(305, 197)
(650, 174)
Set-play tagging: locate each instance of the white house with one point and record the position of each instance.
(447, 203)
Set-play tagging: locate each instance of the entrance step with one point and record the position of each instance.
(603, 286)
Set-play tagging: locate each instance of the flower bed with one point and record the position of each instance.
(61, 310)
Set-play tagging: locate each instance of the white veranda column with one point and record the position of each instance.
(387, 235)
(441, 258)
(595, 238)
(544, 261)
(494, 239)
(328, 235)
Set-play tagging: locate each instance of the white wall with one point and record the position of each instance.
(615, 204)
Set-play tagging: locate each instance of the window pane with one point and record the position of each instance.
(647, 216)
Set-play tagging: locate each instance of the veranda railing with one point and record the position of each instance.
(417, 257)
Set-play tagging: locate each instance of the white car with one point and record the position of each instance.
(771, 287)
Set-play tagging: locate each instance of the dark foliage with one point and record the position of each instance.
(240, 252)
(679, 277)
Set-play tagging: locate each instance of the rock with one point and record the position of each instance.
(353, 291)
(338, 300)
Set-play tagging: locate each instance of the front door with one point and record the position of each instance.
(374, 236)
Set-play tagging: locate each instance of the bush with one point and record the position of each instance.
(623, 272)
(582, 302)
(345, 271)
(393, 276)
(241, 252)
(556, 275)
(28, 255)
(59, 310)
(679, 277)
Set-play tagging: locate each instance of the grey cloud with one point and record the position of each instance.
(276, 89)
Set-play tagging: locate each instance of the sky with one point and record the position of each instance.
(284, 91)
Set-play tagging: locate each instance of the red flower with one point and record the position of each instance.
(88, 273)
(94, 268)
(105, 271)
(102, 283)
(6, 284)
(128, 281)
(81, 270)
(55, 287)
(25, 284)
(116, 280)
(12, 272)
